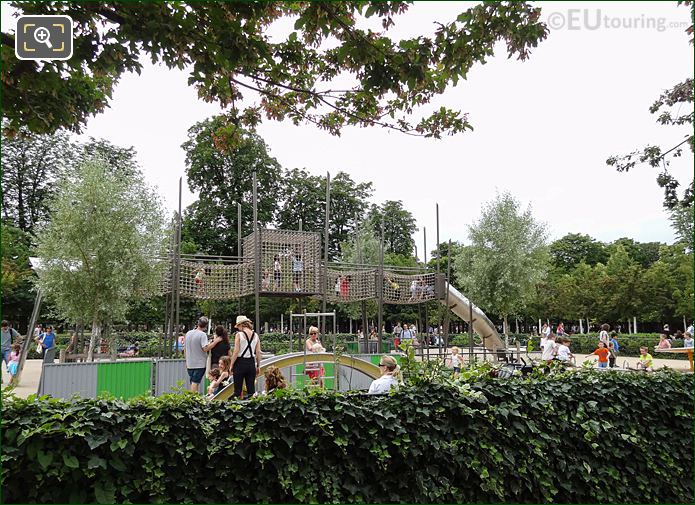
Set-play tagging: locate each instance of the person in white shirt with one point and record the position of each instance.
(690, 329)
(687, 339)
(563, 351)
(549, 349)
(390, 376)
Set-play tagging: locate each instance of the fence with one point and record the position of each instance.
(157, 376)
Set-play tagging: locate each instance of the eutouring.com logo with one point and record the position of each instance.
(595, 19)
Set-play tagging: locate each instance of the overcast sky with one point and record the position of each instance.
(543, 128)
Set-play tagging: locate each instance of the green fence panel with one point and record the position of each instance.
(352, 347)
(301, 377)
(126, 379)
(329, 369)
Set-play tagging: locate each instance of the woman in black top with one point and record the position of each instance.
(221, 348)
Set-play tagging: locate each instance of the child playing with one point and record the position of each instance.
(13, 365)
(213, 377)
(645, 360)
(549, 349)
(612, 355)
(563, 350)
(456, 360)
(265, 281)
(602, 352)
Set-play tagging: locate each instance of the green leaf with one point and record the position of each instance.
(105, 491)
(70, 461)
(45, 458)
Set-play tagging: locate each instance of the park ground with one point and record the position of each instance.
(32, 370)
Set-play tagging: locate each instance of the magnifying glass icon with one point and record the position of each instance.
(43, 36)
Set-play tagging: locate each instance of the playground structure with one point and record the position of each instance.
(291, 263)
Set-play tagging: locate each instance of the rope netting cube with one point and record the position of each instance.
(408, 288)
(351, 285)
(215, 281)
(290, 261)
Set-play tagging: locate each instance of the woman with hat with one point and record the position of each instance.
(246, 358)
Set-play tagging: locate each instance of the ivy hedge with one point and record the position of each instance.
(570, 437)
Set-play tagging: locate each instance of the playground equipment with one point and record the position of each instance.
(299, 358)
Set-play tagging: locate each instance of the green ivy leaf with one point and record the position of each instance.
(45, 458)
(70, 461)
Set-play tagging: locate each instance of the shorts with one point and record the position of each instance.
(603, 364)
(196, 375)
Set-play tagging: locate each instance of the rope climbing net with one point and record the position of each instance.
(290, 265)
(290, 261)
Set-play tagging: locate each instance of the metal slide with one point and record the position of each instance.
(459, 305)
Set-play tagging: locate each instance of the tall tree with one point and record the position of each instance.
(233, 57)
(99, 250)
(567, 252)
(304, 197)
(31, 164)
(621, 286)
(398, 224)
(220, 161)
(507, 257)
(642, 253)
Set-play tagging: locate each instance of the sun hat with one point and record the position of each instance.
(242, 320)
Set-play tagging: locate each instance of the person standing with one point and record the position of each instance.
(549, 349)
(196, 349)
(690, 329)
(397, 334)
(603, 334)
(313, 345)
(220, 346)
(47, 341)
(603, 354)
(277, 273)
(297, 270)
(8, 334)
(560, 332)
(246, 358)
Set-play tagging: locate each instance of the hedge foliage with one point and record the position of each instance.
(579, 436)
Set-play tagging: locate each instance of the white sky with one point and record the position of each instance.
(543, 128)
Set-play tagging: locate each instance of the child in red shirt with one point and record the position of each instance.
(602, 352)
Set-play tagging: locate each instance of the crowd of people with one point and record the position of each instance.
(239, 365)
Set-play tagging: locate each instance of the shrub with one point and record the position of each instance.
(570, 437)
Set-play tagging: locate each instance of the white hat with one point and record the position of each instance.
(242, 319)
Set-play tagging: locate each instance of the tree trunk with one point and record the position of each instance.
(516, 319)
(581, 325)
(505, 325)
(634, 324)
(685, 325)
(96, 333)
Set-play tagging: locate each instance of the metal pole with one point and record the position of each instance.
(424, 238)
(300, 224)
(470, 331)
(364, 302)
(446, 314)
(257, 252)
(439, 257)
(178, 271)
(238, 244)
(325, 251)
(380, 288)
